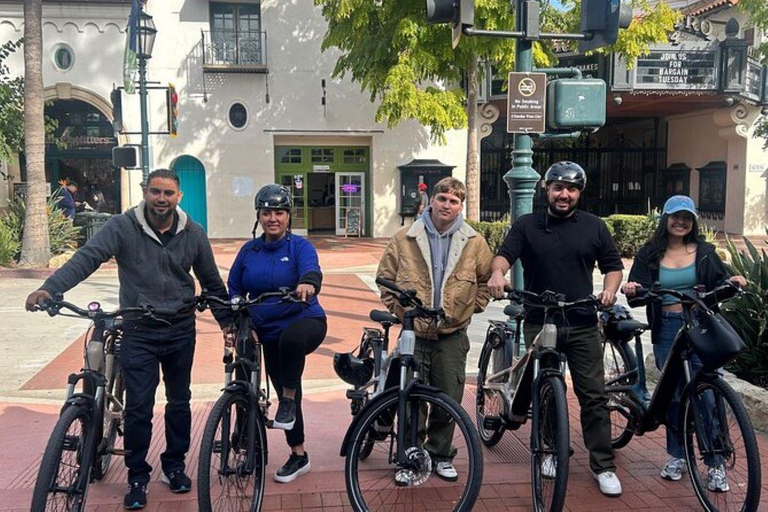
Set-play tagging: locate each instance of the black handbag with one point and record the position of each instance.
(714, 340)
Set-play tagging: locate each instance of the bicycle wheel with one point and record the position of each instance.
(618, 359)
(61, 483)
(489, 402)
(224, 481)
(114, 417)
(549, 464)
(371, 483)
(724, 463)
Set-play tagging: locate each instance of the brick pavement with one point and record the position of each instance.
(25, 427)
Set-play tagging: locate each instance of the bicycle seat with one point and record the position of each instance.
(631, 326)
(513, 310)
(383, 317)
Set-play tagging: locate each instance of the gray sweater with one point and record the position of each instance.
(149, 272)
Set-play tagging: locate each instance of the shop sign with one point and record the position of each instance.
(677, 69)
(321, 168)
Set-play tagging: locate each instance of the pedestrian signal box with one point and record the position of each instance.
(575, 104)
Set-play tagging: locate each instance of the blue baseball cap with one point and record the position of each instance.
(680, 204)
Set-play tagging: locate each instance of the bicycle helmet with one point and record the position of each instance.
(609, 320)
(353, 370)
(273, 197)
(567, 172)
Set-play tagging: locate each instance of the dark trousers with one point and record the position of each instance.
(285, 358)
(442, 364)
(142, 354)
(584, 350)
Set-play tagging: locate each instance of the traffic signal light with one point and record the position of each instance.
(459, 13)
(602, 19)
(173, 111)
(117, 110)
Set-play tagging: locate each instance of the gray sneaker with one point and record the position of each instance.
(718, 480)
(673, 469)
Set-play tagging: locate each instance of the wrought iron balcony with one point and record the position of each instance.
(234, 52)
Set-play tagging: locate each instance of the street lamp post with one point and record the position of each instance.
(146, 40)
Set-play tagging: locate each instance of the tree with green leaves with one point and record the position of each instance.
(409, 68)
(35, 245)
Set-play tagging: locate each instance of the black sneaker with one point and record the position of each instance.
(286, 414)
(295, 466)
(136, 497)
(177, 481)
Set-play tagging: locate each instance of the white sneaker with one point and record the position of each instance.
(549, 467)
(609, 483)
(404, 478)
(446, 471)
(718, 480)
(673, 469)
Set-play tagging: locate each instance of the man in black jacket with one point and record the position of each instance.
(558, 249)
(155, 245)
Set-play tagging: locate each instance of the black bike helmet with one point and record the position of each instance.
(273, 197)
(567, 172)
(609, 320)
(353, 370)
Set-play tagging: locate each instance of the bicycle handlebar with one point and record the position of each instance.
(408, 298)
(237, 302)
(688, 299)
(548, 299)
(94, 312)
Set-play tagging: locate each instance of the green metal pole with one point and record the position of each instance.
(521, 179)
(144, 117)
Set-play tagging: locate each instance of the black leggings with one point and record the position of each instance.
(285, 358)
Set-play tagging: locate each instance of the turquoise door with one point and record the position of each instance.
(191, 174)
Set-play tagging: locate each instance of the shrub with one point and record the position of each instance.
(748, 315)
(493, 232)
(62, 234)
(9, 246)
(630, 232)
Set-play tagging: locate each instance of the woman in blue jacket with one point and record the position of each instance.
(288, 331)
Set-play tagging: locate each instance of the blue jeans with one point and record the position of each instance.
(671, 323)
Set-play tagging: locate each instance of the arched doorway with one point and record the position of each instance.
(191, 174)
(81, 151)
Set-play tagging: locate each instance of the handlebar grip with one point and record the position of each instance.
(386, 283)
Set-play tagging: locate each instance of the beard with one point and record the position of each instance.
(561, 213)
(162, 216)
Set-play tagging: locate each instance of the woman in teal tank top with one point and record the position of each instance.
(677, 258)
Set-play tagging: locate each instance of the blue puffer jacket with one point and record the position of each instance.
(264, 267)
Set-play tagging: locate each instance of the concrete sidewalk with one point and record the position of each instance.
(37, 353)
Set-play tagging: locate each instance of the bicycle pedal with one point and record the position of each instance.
(492, 422)
(355, 394)
(120, 453)
(70, 443)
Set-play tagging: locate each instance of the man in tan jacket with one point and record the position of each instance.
(448, 264)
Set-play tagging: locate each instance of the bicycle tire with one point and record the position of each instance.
(112, 427)
(618, 359)
(744, 492)
(48, 484)
(550, 429)
(234, 407)
(488, 399)
(468, 459)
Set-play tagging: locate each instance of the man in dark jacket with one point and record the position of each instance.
(67, 202)
(155, 245)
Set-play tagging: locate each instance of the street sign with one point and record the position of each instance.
(526, 102)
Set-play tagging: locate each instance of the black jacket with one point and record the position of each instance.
(150, 273)
(710, 272)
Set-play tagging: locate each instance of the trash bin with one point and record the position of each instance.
(90, 223)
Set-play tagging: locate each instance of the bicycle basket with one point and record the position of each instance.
(714, 340)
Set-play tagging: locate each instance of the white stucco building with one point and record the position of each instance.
(251, 79)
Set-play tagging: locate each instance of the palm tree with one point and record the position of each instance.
(35, 245)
